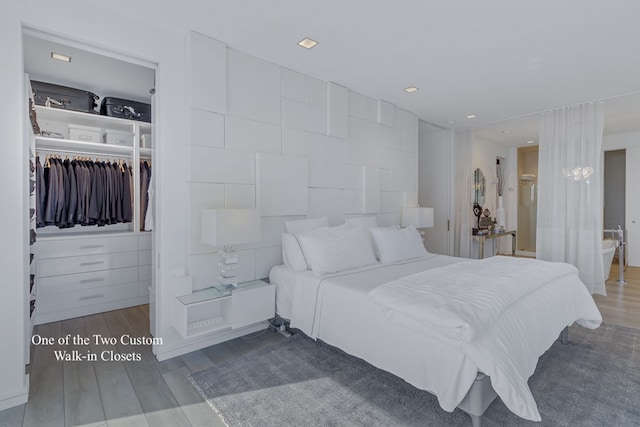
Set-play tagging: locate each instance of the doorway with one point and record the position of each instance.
(527, 199)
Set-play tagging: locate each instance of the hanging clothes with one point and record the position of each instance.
(144, 188)
(148, 218)
(41, 193)
(82, 192)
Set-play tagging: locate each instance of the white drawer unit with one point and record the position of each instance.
(78, 276)
(84, 299)
(57, 248)
(81, 264)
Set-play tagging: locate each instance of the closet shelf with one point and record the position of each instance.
(81, 146)
(87, 119)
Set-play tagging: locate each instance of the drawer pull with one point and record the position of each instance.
(91, 297)
(91, 263)
(91, 246)
(97, 279)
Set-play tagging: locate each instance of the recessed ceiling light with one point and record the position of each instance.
(411, 89)
(451, 121)
(530, 141)
(307, 43)
(506, 131)
(471, 116)
(60, 57)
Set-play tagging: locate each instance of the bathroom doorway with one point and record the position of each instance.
(614, 189)
(527, 200)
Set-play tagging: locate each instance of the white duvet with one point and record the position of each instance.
(476, 305)
(443, 360)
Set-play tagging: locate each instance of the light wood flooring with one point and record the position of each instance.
(110, 393)
(622, 303)
(152, 393)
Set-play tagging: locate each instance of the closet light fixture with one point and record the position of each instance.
(411, 89)
(471, 116)
(307, 43)
(60, 57)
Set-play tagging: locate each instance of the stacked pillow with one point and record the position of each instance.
(310, 244)
(397, 244)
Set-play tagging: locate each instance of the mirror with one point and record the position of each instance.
(479, 184)
(478, 194)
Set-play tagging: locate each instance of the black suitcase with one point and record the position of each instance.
(63, 97)
(125, 109)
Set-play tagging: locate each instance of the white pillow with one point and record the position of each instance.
(394, 244)
(302, 225)
(329, 250)
(292, 255)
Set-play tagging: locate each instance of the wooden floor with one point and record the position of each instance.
(117, 393)
(152, 393)
(622, 303)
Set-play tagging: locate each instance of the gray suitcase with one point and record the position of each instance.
(63, 97)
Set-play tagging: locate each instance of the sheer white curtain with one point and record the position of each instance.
(569, 191)
(463, 143)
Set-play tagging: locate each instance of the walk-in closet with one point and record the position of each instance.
(91, 202)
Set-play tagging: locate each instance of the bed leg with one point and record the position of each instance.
(476, 420)
(564, 336)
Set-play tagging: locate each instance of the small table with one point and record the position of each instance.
(482, 237)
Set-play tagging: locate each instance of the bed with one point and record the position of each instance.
(356, 310)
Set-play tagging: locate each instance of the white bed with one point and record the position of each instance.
(338, 309)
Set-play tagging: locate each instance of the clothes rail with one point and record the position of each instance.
(84, 153)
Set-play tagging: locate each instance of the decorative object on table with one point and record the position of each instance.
(485, 221)
(419, 217)
(226, 227)
(500, 172)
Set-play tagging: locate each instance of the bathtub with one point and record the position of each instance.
(609, 247)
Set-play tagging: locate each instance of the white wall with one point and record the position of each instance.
(314, 120)
(435, 185)
(357, 154)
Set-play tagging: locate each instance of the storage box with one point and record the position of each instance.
(118, 138)
(85, 133)
(145, 141)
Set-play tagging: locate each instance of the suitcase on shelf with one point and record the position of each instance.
(125, 109)
(63, 97)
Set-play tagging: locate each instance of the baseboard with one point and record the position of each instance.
(23, 397)
(208, 340)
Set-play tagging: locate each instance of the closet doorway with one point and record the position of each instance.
(85, 267)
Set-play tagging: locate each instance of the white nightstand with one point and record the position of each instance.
(213, 310)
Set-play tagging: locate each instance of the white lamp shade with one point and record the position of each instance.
(418, 217)
(230, 226)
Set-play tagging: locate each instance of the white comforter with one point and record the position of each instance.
(496, 312)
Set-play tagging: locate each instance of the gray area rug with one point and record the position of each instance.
(593, 381)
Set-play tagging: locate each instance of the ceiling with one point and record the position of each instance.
(497, 59)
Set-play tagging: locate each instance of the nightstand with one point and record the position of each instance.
(214, 310)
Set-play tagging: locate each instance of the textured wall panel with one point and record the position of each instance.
(253, 88)
(222, 166)
(337, 110)
(202, 196)
(207, 128)
(281, 185)
(207, 68)
(249, 135)
(327, 202)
